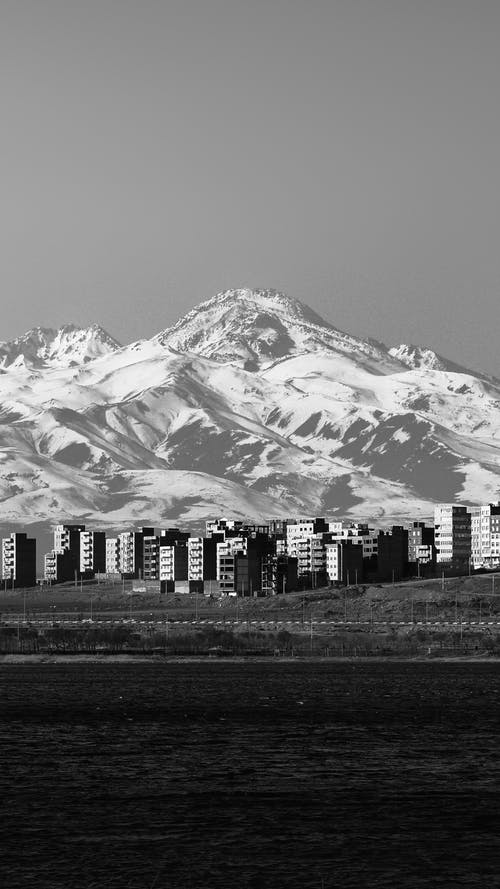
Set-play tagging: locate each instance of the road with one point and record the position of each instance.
(270, 625)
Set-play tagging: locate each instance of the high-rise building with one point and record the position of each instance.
(131, 551)
(19, 560)
(62, 563)
(392, 554)
(92, 553)
(452, 537)
(485, 535)
(344, 561)
(112, 555)
(421, 548)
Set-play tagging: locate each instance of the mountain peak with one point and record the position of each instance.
(61, 347)
(254, 327)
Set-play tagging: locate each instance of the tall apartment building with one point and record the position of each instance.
(19, 560)
(63, 561)
(227, 574)
(202, 562)
(239, 564)
(344, 561)
(112, 563)
(485, 535)
(452, 536)
(358, 533)
(421, 548)
(92, 553)
(173, 566)
(278, 574)
(305, 541)
(154, 546)
(131, 551)
(392, 553)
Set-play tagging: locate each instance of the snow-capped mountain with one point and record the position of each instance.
(70, 345)
(251, 405)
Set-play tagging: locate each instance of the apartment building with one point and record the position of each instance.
(112, 557)
(453, 538)
(62, 563)
(173, 566)
(131, 551)
(278, 574)
(344, 561)
(19, 560)
(392, 556)
(485, 535)
(357, 532)
(92, 553)
(202, 562)
(226, 570)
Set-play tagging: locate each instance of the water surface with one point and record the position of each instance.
(218, 774)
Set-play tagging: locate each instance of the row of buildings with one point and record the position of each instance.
(238, 558)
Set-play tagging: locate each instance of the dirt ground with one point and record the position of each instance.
(468, 598)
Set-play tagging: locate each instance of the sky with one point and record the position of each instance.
(346, 152)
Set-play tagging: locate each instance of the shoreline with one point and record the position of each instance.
(47, 659)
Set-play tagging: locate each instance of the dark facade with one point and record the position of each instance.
(392, 561)
(352, 562)
(278, 574)
(420, 537)
(19, 560)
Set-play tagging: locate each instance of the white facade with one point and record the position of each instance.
(112, 555)
(334, 561)
(195, 558)
(126, 552)
(86, 551)
(452, 534)
(9, 558)
(485, 534)
(298, 532)
(167, 563)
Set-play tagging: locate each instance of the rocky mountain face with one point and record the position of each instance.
(251, 405)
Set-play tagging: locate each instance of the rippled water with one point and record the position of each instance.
(219, 774)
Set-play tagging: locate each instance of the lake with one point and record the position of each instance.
(276, 775)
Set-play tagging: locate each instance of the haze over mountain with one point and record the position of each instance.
(250, 405)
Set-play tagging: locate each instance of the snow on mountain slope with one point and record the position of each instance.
(250, 405)
(253, 328)
(70, 345)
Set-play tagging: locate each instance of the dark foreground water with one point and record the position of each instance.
(250, 775)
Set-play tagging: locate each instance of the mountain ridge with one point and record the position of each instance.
(248, 404)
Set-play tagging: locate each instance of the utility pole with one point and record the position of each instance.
(311, 633)
(456, 606)
(411, 604)
(76, 579)
(442, 580)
